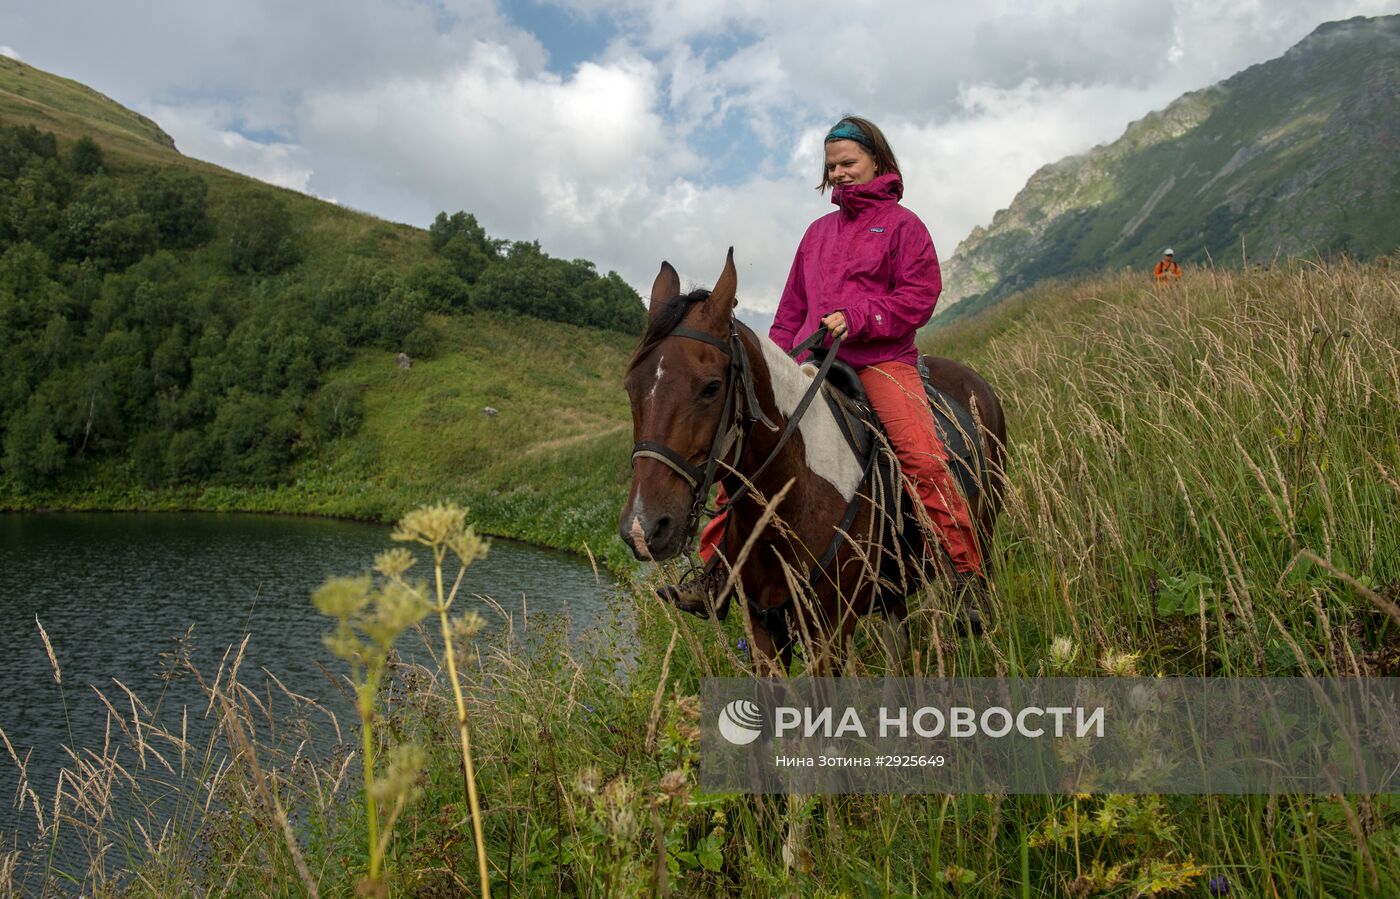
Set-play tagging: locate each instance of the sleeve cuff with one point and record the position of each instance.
(855, 322)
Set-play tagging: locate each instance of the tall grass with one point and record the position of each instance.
(1204, 480)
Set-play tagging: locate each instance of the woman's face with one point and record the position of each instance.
(847, 162)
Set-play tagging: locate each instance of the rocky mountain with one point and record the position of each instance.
(1298, 155)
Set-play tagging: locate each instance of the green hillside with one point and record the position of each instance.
(174, 335)
(1295, 156)
(72, 110)
(1203, 481)
(1171, 466)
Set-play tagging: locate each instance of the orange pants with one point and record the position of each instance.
(897, 394)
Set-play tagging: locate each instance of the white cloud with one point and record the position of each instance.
(6, 50)
(200, 132)
(698, 126)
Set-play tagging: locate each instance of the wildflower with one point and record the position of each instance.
(1119, 664)
(1219, 885)
(467, 626)
(341, 597)
(399, 607)
(1142, 698)
(400, 775)
(689, 706)
(742, 645)
(343, 643)
(1062, 651)
(674, 784)
(617, 796)
(467, 546)
(393, 563)
(431, 525)
(587, 780)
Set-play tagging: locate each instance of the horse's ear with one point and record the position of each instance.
(667, 285)
(722, 298)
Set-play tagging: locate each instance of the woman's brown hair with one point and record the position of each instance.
(874, 144)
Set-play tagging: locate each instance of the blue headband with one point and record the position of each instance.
(848, 130)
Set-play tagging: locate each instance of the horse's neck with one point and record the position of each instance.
(825, 451)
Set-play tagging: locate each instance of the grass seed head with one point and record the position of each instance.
(48, 648)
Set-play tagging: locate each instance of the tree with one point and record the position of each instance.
(461, 240)
(612, 304)
(178, 204)
(527, 281)
(253, 437)
(21, 144)
(104, 224)
(337, 411)
(33, 451)
(86, 158)
(260, 238)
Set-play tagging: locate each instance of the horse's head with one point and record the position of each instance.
(679, 385)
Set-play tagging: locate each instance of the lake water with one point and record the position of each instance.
(113, 592)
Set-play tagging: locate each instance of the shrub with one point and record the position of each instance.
(86, 158)
(337, 410)
(260, 239)
(177, 203)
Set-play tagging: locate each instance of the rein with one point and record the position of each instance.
(732, 438)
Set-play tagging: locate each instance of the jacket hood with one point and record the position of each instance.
(856, 198)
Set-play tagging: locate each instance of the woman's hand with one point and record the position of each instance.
(835, 322)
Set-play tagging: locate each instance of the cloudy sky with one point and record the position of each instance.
(627, 131)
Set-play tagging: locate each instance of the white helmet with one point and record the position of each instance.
(1168, 252)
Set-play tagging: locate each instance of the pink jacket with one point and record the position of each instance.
(871, 259)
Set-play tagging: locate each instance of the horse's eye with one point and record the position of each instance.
(711, 390)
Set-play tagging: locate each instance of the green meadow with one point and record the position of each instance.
(1204, 480)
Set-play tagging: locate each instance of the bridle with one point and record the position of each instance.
(739, 414)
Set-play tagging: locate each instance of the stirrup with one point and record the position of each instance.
(698, 596)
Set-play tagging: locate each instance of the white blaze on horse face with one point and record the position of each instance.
(660, 373)
(639, 540)
(826, 452)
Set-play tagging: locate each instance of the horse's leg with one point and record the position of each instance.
(772, 654)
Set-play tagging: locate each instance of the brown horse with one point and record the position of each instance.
(712, 401)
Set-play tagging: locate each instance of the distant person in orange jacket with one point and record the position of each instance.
(1168, 269)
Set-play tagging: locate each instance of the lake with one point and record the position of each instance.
(114, 591)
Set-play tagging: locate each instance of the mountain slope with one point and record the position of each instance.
(1298, 155)
(176, 335)
(69, 109)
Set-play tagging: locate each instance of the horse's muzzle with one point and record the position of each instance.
(652, 539)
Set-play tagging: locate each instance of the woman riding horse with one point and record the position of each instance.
(868, 273)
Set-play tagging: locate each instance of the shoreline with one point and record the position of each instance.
(267, 501)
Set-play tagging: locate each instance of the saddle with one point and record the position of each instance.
(957, 430)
